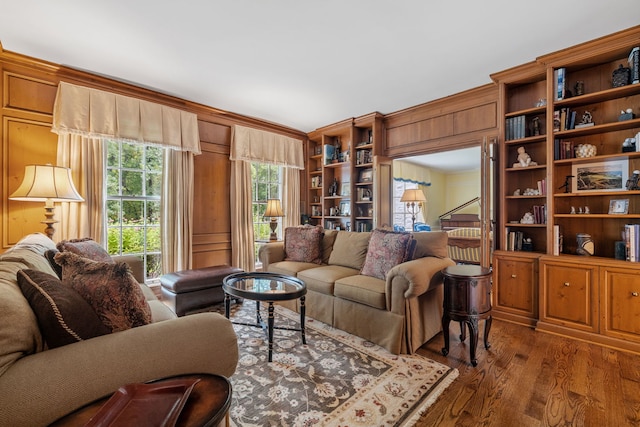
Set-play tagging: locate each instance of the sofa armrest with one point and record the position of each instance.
(40, 388)
(413, 278)
(269, 253)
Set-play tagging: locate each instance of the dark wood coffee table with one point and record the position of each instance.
(266, 287)
(207, 405)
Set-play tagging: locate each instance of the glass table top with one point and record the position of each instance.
(264, 286)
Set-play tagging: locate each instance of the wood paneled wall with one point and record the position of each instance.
(450, 123)
(28, 92)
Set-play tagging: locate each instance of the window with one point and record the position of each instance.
(134, 187)
(401, 216)
(267, 184)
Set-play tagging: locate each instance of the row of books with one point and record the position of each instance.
(565, 119)
(632, 242)
(563, 149)
(517, 241)
(516, 127)
(540, 214)
(363, 157)
(542, 187)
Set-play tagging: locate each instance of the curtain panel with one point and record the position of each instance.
(99, 114)
(409, 172)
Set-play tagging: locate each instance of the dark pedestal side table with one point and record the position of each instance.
(467, 299)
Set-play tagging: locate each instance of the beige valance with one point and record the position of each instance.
(254, 145)
(410, 172)
(99, 114)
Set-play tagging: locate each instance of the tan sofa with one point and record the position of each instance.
(400, 313)
(38, 385)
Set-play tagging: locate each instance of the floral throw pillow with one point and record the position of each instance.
(303, 244)
(109, 287)
(87, 248)
(386, 250)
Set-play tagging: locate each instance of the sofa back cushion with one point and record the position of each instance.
(431, 243)
(350, 249)
(303, 244)
(327, 244)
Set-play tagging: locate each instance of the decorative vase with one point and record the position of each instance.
(585, 244)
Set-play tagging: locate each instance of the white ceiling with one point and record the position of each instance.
(300, 63)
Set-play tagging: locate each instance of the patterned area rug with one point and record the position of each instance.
(337, 379)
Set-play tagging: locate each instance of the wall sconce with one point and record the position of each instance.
(48, 184)
(274, 210)
(413, 198)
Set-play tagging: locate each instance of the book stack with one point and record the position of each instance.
(515, 239)
(557, 240)
(540, 214)
(516, 127)
(632, 242)
(563, 150)
(542, 187)
(634, 64)
(564, 119)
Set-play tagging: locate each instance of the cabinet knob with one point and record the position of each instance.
(513, 276)
(567, 284)
(634, 294)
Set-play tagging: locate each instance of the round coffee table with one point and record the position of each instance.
(265, 287)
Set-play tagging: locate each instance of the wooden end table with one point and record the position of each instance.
(467, 299)
(207, 405)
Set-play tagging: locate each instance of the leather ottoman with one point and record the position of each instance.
(189, 290)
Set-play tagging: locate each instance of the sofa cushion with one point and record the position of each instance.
(64, 317)
(110, 288)
(290, 268)
(328, 241)
(362, 289)
(87, 248)
(431, 243)
(321, 279)
(350, 249)
(303, 244)
(386, 250)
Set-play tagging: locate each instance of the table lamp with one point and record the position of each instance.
(274, 210)
(48, 184)
(413, 198)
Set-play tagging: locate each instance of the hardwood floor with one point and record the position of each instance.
(530, 378)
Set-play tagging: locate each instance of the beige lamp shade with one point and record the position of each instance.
(46, 182)
(413, 195)
(274, 209)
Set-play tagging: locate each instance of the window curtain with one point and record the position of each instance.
(82, 114)
(85, 156)
(252, 145)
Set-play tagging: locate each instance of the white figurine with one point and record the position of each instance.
(527, 218)
(524, 159)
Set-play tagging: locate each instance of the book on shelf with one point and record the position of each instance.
(560, 83)
(328, 151)
(634, 65)
(557, 240)
(632, 242)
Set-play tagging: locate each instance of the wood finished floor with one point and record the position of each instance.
(530, 378)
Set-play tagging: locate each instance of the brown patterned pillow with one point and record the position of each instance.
(303, 244)
(64, 317)
(87, 248)
(109, 288)
(386, 250)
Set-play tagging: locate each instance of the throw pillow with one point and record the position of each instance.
(87, 248)
(64, 317)
(386, 250)
(432, 243)
(49, 254)
(303, 244)
(109, 287)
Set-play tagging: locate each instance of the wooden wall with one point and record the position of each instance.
(27, 94)
(450, 123)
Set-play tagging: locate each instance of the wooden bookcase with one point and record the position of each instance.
(343, 189)
(569, 282)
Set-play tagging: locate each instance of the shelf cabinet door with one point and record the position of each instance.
(621, 303)
(569, 296)
(515, 292)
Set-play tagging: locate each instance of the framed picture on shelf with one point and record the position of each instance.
(600, 176)
(345, 208)
(366, 175)
(619, 207)
(345, 190)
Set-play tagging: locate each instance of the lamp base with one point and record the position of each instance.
(49, 221)
(273, 225)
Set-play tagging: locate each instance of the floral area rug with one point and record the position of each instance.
(336, 379)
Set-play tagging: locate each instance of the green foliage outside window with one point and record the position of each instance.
(267, 182)
(134, 187)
